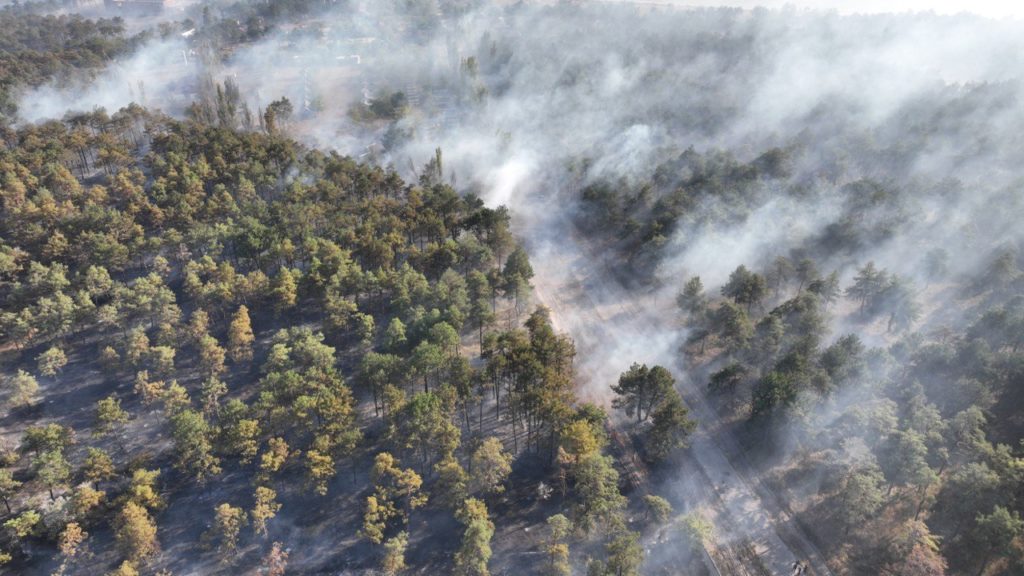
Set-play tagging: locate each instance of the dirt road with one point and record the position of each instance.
(613, 329)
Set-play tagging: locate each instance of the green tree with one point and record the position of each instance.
(450, 488)
(862, 495)
(657, 508)
(475, 551)
(52, 469)
(490, 465)
(745, 287)
(193, 450)
(97, 466)
(24, 388)
(904, 459)
(24, 524)
(641, 389)
(228, 521)
(285, 290)
(319, 470)
(625, 554)
(671, 426)
(211, 357)
(733, 327)
(109, 416)
(599, 502)
(393, 561)
(556, 546)
(994, 534)
(8, 487)
(692, 300)
(51, 361)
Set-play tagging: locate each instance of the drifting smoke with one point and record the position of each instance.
(159, 73)
(531, 103)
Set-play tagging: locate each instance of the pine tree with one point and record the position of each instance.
(475, 552)
(240, 336)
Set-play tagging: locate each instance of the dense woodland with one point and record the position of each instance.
(37, 47)
(210, 313)
(222, 351)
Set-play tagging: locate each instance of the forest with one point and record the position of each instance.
(481, 287)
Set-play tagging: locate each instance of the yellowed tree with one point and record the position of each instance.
(211, 357)
(126, 568)
(198, 326)
(265, 508)
(273, 458)
(70, 545)
(276, 561)
(136, 533)
(240, 336)
(228, 521)
(396, 494)
(150, 391)
(85, 500)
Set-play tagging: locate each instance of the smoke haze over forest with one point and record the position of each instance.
(807, 212)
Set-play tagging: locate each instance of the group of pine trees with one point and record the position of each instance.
(238, 297)
(921, 476)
